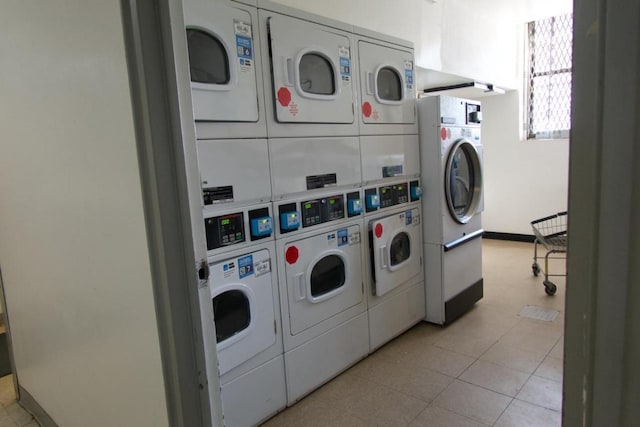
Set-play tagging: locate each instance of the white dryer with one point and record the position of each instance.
(387, 85)
(395, 275)
(319, 248)
(242, 301)
(308, 64)
(451, 159)
(226, 69)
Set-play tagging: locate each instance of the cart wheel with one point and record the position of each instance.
(550, 288)
(535, 268)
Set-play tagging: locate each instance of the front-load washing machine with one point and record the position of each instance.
(309, 73)
(320, 256)
(395, 275)
(387, 86)
(451, 159)
(226, 69)
(242, 301)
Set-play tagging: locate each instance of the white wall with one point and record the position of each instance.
(452, 36)
(523, 180)
(483, 41)
(73, 248)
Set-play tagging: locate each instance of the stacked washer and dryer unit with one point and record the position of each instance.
(391, 183)
(310, 197)
(242, 297)
(451, 156)
(315, 176)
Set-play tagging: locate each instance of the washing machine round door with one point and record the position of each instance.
(389, 85)
(463, 181)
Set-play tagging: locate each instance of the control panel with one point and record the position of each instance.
(311, 212)
(231, 228)
(390, 195)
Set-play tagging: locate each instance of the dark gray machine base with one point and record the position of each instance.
(462, 302)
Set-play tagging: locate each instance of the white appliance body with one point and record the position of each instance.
(325, 327)
(389, 157)
(451, 160)
(299, 165)
(226, 69)
(243, 295)
(234, 172)
(395, 274)
(387, 85)
(308, 64)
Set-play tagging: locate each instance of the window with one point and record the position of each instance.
(208, 58)
(389, 85)
(548, 100)
(327, 275)
(316, 75)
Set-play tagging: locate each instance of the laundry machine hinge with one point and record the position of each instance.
(203, 272)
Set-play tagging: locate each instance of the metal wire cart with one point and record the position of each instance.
(550, 232)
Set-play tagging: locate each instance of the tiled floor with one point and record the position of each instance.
(11, 413)
(491, 367)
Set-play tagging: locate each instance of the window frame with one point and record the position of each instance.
(528, 75)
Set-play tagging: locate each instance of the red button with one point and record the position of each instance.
(366, 109)
(284, 96)
(292, 254)
(443, 133)
(378, 230)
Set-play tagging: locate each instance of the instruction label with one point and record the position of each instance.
(229, 269)
(262, 267)
(245, 266)
(244, 45)
(343, 237)
(408, 74)
(345, 65)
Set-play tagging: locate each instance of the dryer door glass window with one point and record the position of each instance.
(400, 250)
(389, 84)
(327, 275)
(231, 313)
(208, 59)
(317, 75)
(463, 182)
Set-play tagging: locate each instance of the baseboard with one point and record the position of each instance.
(30, 405)
(461, 303)
(513, 237)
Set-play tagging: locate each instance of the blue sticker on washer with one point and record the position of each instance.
(345, 64)
(245, 266)
(245, 48)
(408, 77)
(407, 218)
(343, 237)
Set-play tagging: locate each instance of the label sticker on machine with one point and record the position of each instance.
(408, 218)
(244, 45)
(229, 269)
(245, 266)
(408, 74)
(345, 65)
(262, 267)
(343, 237)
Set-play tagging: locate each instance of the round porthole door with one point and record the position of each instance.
(463, 181)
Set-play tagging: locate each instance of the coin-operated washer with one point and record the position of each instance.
(243, 301)
(451, 159)
(320, 256)
(394, 273)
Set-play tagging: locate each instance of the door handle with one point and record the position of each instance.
(288, 71)
(299, 288)
(370, 83)
(383, 257)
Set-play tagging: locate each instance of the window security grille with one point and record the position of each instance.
(549, 77)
